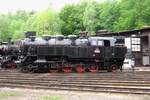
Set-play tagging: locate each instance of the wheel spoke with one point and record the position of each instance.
(93, 69)
(67, 69)
(113, 67)
(79, 68)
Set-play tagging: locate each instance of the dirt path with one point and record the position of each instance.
(28, 94)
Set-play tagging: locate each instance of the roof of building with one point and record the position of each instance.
(126, 33)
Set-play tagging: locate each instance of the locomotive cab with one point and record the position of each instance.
(106, 43)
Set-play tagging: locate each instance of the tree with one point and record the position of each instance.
(109, 14)
(89, 17)
(5, 32)
(42, 22)
(11, 25)
(71, 19)
(83, 16)
(134, 14)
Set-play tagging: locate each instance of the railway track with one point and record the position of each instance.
(131, 83)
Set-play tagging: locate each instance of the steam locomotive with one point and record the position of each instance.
(8, 54)
(72, 53)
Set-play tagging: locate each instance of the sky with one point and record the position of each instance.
(29, 5)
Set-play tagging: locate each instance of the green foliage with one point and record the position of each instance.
(5, 29)
(110, 12)
(113, 15)
(50, 98)
(11, 25)
(87, 15)
(134, 14)
(42, 22)
(71, 19)
(7, 94)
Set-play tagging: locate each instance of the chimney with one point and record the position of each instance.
(83, 34)
(30, 33)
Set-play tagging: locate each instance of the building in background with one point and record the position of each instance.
(138, 44)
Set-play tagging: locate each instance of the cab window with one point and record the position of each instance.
(106, 43)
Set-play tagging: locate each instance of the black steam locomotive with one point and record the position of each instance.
(8, 54)
(71, 53)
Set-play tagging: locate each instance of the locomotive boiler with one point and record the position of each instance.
(71, 53)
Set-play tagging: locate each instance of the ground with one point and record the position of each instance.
(28, 94)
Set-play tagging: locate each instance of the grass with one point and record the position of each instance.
(50, 98)
(8, 94)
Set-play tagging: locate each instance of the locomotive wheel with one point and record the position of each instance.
(27, 69)
(24, 69)
(93, 69)
(30, 68)
(79, 68)
(67, 69)
(113, 67)
(11, 65)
